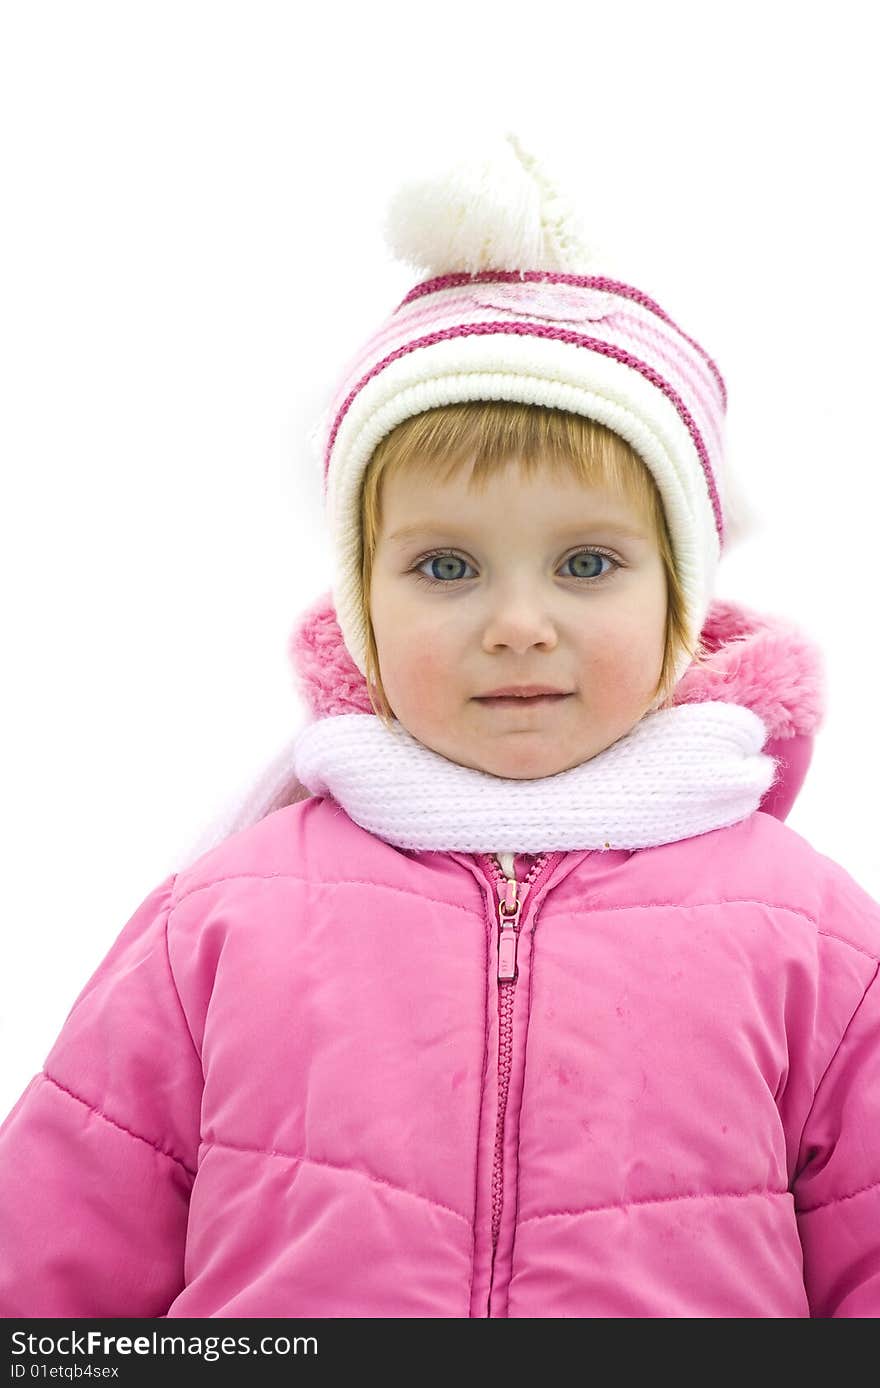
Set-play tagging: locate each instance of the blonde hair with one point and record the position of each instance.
(441, 441)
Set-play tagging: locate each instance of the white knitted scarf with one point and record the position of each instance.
(679, 772)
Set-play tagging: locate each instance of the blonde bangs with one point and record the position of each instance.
(486, 435)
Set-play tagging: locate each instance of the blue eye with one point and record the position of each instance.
(590, 555)
(446, 561)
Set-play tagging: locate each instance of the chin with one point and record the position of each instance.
(519, 769)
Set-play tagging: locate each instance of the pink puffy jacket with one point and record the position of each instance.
(295, 1088)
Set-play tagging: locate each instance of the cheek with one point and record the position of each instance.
(428, 682)
(622, 657)
(416, 672)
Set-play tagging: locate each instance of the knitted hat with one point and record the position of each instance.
(516, 307)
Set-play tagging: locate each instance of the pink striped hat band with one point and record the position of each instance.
(587, 344)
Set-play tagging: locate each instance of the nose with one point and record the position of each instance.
(519, 620)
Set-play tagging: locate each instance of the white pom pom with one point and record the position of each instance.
(494, 209)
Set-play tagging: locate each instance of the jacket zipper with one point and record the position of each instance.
(511, 896)
(487, 866)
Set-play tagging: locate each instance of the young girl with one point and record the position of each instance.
(511, 993)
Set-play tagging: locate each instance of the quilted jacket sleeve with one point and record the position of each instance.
(837, 1187)
(98, 1156)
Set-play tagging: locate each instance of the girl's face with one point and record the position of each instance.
(541, 582)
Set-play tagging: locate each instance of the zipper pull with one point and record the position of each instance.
(509, 909)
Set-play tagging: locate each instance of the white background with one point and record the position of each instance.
(191, 249)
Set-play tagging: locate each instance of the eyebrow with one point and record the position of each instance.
(627, 532)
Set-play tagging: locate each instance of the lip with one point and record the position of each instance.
(518, 703)
(521, 691)
(515, 704)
